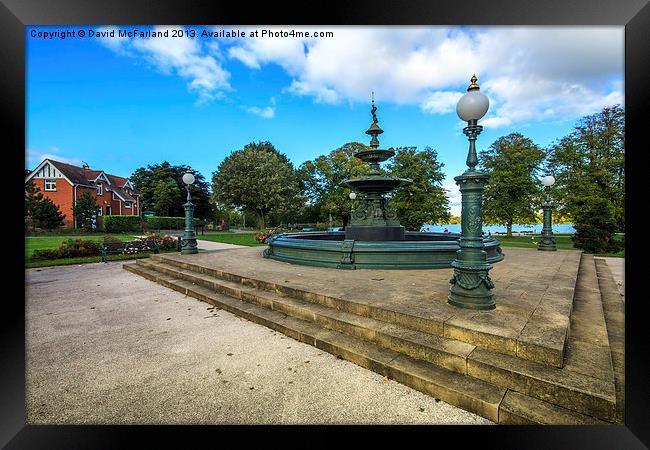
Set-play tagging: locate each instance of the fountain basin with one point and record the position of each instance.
(330, 249)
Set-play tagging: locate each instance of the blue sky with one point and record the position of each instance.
(122, 103)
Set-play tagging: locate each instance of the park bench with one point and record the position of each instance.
(199, 224)
(129, 248)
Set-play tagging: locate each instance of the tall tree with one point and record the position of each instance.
(513, 192)
(257, 178)
(423, 201)
(322, 176)
(145, 180)
(85, 211)
(166, 196)
(589, 166)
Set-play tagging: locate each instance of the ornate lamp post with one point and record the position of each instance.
(547, 242)
(188, 244)
(470, 284)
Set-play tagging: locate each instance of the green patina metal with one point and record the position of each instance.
(385, 243)
(188, 243)
(331, 249)
(471, 284)
(373, 209)
(547, 241)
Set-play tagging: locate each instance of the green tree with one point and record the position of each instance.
(257, 178)
(85, 211)
(166, 196)
(423, 201)
(513, 192)
(145, 180)
(589, 167)
(46, 214)
(322, 176)
(40, 211)
(33, 196)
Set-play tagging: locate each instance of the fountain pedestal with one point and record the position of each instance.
(374, 219)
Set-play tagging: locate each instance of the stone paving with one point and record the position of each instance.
(118, 349)
(534, 292)
(395, 323)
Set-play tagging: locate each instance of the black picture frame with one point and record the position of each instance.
(633, 14)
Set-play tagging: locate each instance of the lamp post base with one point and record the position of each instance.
(547, 244)
(471, 287)
(188, 244)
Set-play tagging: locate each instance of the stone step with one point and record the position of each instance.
(444, 352)
(614, 309)
(573, 390)
(456, 389)
(520, 409)
(544, 343)
(585, 384)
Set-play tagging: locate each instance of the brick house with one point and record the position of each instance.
(63, 183)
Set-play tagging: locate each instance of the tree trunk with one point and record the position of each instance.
(346, 220)
(260, 220)
(509, 227)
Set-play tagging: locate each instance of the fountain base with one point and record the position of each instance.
(374, 233)
(332, 249)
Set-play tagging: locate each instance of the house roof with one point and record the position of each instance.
(86, 177)
(73, 173)
(123, 194)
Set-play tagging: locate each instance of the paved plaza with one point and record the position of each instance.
(119, 349)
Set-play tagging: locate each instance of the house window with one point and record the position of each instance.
(50, 185)
(127, 204)
(100, 190)
(99, 212)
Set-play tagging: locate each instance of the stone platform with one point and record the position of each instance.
(542, 356)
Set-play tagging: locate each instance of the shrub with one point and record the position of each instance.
(163, 222)
(39, 255)
(165, 242)
(595, 225)
(262, 236)
(70, 248)
(121, 224)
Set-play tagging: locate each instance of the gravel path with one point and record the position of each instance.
(105, 346)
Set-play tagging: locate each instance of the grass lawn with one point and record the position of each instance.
(562, 241)
(51, 242)
(81, 260)
(231, 238)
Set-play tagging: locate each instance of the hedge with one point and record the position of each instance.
(70, 248)
(162, 222)
(121, 224)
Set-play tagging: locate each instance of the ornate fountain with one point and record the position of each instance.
(374, 219)
(374, 239)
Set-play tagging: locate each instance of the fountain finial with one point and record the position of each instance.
(374, 129)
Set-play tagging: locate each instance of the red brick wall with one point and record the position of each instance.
(62, 197)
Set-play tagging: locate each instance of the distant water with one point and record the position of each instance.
(516, 228)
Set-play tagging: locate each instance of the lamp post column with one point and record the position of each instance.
(188, 244)
(547, 241)
(470, 283)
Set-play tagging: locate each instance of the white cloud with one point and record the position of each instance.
(441, 102)
(180, 55)
(454, 196)
(35, 156)
(529, 73)
(265, 113)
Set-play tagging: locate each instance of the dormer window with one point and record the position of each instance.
(100, 189)
(50, 185)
